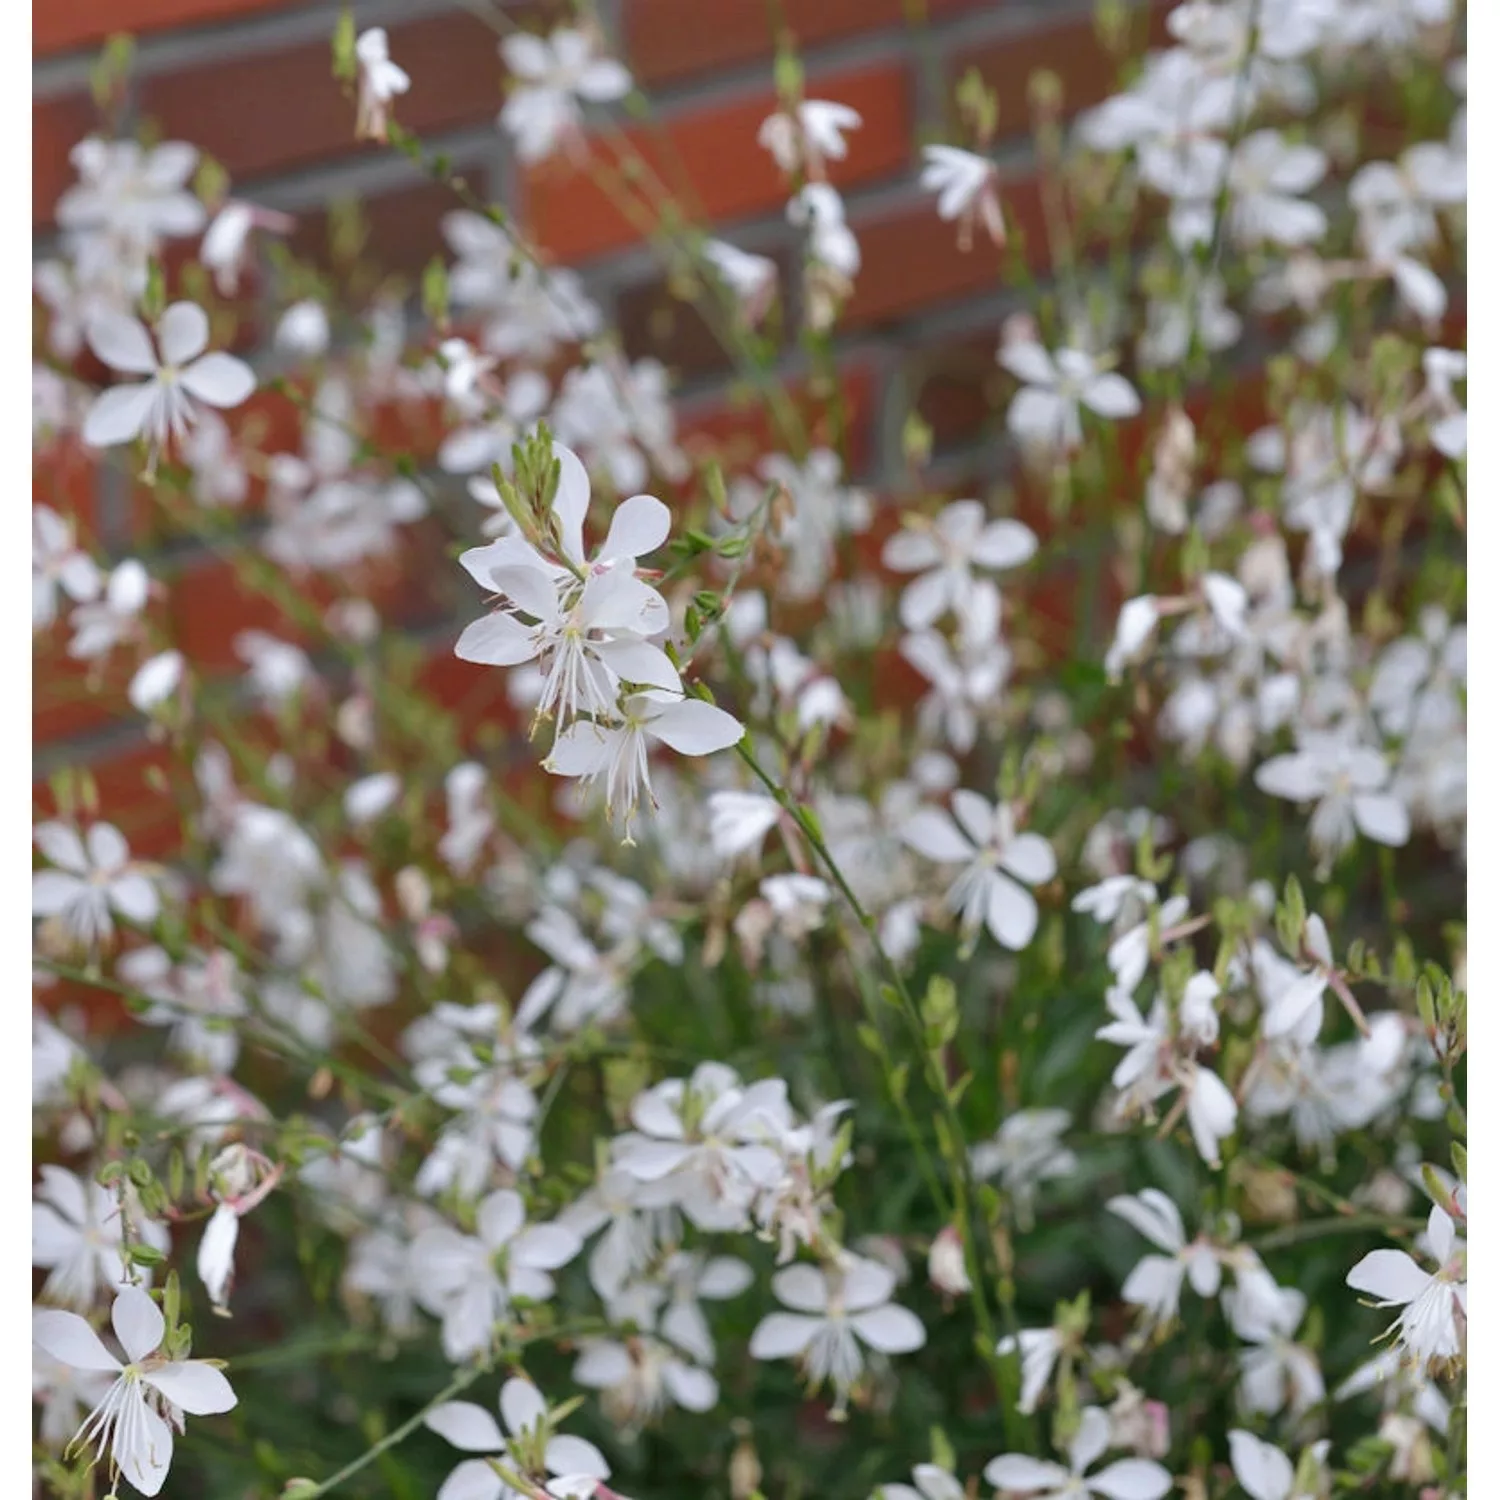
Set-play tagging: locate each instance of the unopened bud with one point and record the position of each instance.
(945, 1263)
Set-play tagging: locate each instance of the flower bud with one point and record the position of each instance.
(945, 1263)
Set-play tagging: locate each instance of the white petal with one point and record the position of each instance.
(583, 749)
(640, 526)
(64, 848)
(691, 1388)
(1029, 362)
(1111, 395)
(891, 1329)
(219, 379)
(1295, 777)
(1091, 1439)
(1010, 913)
(782, 1335)
(119, 414)
(135, 898)
(182, 333)
(143, 1446)
(934, 834)
(194, 1386)
(466, 1426)
(575, 1455)
(1263, 1470)
(801, 1286)
(70, 1341)
(473, 1479)
(500, 1216)
(694, 727)
(216, 1253)
(1029, 857)
(122, 343)
(638, 661)
(545, 1247)
(1016, 1472)
(572, 500)
(522, 1406)
(138, 1322)
(1004, 544)
(497, 640)
(975, 816)
(1131, 1479)
(1382, 817)
(1390, 1275)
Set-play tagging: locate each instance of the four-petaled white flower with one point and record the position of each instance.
(619, 749)
(1000, 864)
(1125, 1479)
(929, 1482)
(945, 552)
(1348, 782)
(469, 1280)
(163, 407)
(134, 1420)
(1434, 1304)
(569, 1468)
(1156, 1282)
(93, 880)
(57, 562)
(1044, 412)
(551, 75)
(836, 1310)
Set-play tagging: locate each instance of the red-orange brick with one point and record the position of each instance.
(713, 165)
(57, 25)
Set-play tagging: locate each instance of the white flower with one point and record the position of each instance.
(127, 200)
(706, 1144)
(589, 617)
(303, 329)
(966, 189)
(739, 821)
(619, 750)
(57, 563)
(1025, 1151)
(945, 551)
(819, 209)
(380, 81)
(931, 1483)
(149, 1395)
(1348, 783)
(1268, 177)
(469, 1280)
(1434, 1304)
(78, 1235)
(92, 879)
(1276, 1372)
(1045, 410)
(1125, 1479)
(1039, 1349)
(836, 1310)
(227, 239)
(565, 1466)
(750, 278)
(155, 681)
(552, 74)
(1156, 1282)
(163, 407)
(1263, 1470)
(99, 625)
(809, 138)
(999, 862)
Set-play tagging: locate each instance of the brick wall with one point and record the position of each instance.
(249, 82)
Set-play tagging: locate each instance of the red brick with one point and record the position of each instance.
(910, 258)
(65, 476)
(62, 701)
(739, 432)
(1072, 50)
(403, 230)
(269, 111)
(147, 817)
(667, 39)
(712, 164)
(57, 125)
(57, 25)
